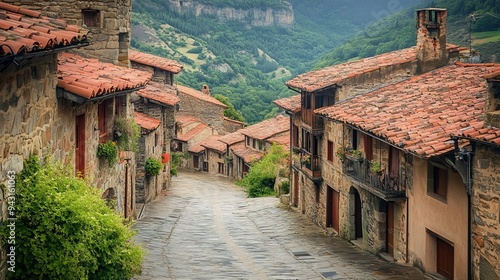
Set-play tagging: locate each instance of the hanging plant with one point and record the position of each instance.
(152, 167)
(109, 151)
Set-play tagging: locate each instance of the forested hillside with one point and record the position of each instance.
(249, 64)
(397, 31)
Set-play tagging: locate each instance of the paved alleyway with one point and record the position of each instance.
(206, 228)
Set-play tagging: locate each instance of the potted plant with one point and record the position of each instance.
(354, 155)
(152, 167)
(108, 151)
(341, 152)
(375, 167)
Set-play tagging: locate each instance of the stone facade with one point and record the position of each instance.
(216, 163)
(485, 212)
(108, 22)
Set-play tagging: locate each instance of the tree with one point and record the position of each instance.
(230, 112)
(64, 230)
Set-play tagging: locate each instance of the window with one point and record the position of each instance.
(179, 146)
(354, 139)
(221, 168)
(368, 145)
(90, 17)
(118, 106)
(330, 151)
(248, 141)
(437, 180)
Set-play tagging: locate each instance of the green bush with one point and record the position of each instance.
(127, 133)
(64, 230)
(152, 167)
(260, 180)
(285, 187)
(108, 151)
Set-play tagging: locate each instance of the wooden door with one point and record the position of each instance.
(445, 261)
(390, 229)
(80, 145)
(196, 162)
(358, 224)
(329, 207)
(295, 188)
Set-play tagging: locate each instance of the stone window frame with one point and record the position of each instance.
(91, 17)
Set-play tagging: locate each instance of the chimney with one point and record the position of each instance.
(205, 89)
(493, 100)
(431, 39)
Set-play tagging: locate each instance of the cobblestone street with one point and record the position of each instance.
(206, 228)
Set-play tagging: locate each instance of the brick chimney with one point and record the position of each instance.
(205, 89)
(493, 100)
(431, 39)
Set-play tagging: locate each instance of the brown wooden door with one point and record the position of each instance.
(196, 162)
(329, 207)
(358, 224)
(445, 261)
(390, 229)
(295, 188)
(80, 145)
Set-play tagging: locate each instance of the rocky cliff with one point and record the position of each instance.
(265, 16)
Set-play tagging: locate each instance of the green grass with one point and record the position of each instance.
(486, 37)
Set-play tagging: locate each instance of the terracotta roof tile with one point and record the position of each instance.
(26, 31)
(155, 61)
(91, 78)
(292, 104)
(421, 113)
(233, 121)
(267, 128)
(162, 93)
(198, 148)
(213, 143)
(184, 120)
(146, 121)
(199, 95)
(248, 155)
(332, 75)
(477, 131)
(281, 140)
(232, 138)
(192, 133)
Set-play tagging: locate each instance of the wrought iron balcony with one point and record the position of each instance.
(380, 184)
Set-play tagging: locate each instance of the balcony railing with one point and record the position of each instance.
(378, 183)
(315, 122)
(311, 165)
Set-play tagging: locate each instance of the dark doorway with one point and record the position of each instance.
(358, 224)
(295, 188)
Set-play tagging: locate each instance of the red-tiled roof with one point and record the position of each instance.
(213, 143)
(291, 104)
(162, 93)
(421, 113)
(184, 120)
(267, 128)
(478, 131)
(199, 95)
(89, 78)
(281, 140)
(233, 121)
(192, 133)
(198, 148)
(27, 31)
(332, 75)
(232, 138)
(248, 155)
(146, 121)
(155, 61)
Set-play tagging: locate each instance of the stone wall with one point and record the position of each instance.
(214, 159)
(110, 39)
(147, 187)
(485, 213)
(205, 111)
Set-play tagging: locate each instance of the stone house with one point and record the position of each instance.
(190, 133)
(231, 140)
(108, 23)
(157, 101)
(354, 115)
(203, 106)
(254, 145)
(231, 125)
(215, 151)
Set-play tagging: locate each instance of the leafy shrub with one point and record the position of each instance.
(64, 230)
(195, 50)
(152, 167)
(260, 180)
(127, 133)
(285, 187)
(108, 151)
(176, 161)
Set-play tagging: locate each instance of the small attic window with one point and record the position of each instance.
(90, 17)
